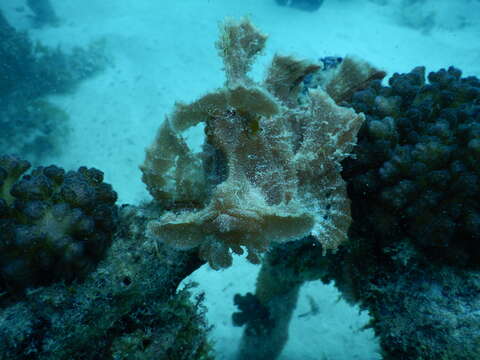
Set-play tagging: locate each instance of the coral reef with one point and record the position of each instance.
(411, 259)
(417, 164)
(419, 310)
(417, 14)
(44, 14)
(308, 5)
(270, 169)
(128, 308)
(55, 225)
(31, 125)
(428, 15)
(82, 279)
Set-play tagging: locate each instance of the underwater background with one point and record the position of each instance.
(151, 54)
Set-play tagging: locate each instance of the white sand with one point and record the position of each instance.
(164, 51)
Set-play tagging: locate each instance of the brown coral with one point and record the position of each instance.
(270, 170)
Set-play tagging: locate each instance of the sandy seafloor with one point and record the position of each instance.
(164, 52)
